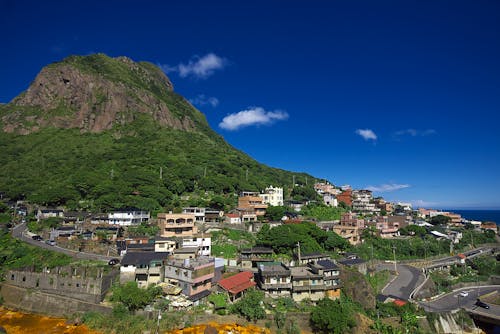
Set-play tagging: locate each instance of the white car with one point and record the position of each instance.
(463, 294)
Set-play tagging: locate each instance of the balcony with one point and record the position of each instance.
(275, 286)
(319, 287)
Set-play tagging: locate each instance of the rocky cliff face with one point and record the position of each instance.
(93, 93)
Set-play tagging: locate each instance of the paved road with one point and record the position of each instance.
(449, 260)
(19, 230)
(404, 283)
(453, 301)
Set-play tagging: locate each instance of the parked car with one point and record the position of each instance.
(37, 238)
(50, 242)
(463, 294)
(482, 304)
(112, 262)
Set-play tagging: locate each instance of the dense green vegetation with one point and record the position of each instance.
(104, 171)
(283, 239)
(17, 254)
(333, 316)
(228, 242)
(323, 212)
(133, 297)
(249, 306)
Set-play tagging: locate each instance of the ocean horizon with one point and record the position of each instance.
(481, 215)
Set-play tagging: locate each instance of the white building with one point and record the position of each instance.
(362, 201)
(199, 213)
(128, 217)
(330, 200)
(272, 196)
(203, 242)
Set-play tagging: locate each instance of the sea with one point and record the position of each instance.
(481, 215)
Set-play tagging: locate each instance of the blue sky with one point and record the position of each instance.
(402, 97)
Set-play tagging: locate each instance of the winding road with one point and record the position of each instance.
(404, 283)
(453, 300)
(19, 232)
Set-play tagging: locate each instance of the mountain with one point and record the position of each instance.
(101, 132)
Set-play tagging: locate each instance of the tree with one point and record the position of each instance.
(333, 316)
(275, 213)
(440, 220)
(250, 305)
(133, 297)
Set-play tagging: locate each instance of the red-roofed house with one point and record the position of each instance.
(237, 284)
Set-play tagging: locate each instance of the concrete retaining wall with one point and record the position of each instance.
(34, 301)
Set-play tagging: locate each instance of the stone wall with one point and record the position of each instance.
(86, 284)
(33, 301)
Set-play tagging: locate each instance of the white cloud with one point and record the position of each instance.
(251, 116)
(202, 100)
(367, 134)
(198, 67)
(418, 203)
(415, 133)
(387, 187)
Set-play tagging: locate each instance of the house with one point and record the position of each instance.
(143, 267)
(250, 257)
(75, 217)
(275, 279)
(64, 232)
(489, 226)
(331, 276)
(325, 188)
(307, 284)
(345, 196)
(165, 245)
(186, 253)
(252, 201)
(330, 200)
(193, 276)
(202, 241)
(177, 224)
(199, 213)
(272, 196)
(304, 259)
(295, 205)
(350, 228)
(233, 218)
(248, 217)
(99, 219)
(213, 216)
(237, 284)
(128, 217)
(362, 201)
(49, 213)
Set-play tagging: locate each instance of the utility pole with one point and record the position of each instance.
(247, 175)
(161, 173)
(298, 251)
(394, 253)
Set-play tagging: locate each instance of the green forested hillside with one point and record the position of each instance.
(135, 163)
(63, 166)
